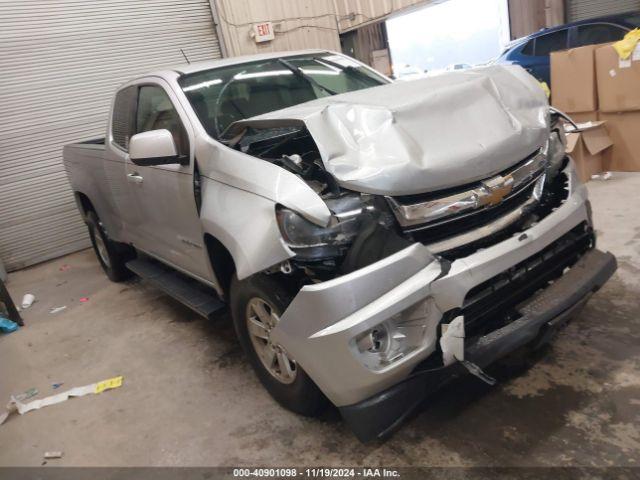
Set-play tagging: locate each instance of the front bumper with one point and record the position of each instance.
(542, 315)
(319, 326)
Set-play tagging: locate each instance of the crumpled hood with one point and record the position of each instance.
(425, 135)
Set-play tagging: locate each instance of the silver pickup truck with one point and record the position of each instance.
(372, 240)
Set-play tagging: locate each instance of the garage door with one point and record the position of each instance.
(584, 9)
(61, 62)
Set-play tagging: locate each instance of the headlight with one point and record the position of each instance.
(399, 336)
(311, 241)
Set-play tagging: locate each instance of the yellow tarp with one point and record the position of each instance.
(627, 45)
(545, 87)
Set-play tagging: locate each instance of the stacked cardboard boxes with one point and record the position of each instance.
(592, 83)
(573, 82)
(575, 91)
(619, 98)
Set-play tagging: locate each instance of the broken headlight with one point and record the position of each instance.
(313, 242)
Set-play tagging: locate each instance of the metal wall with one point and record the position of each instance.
(370, 45)
(528, 16)
(356, 13)
(298, 24)
(584, 9)
(61, 62)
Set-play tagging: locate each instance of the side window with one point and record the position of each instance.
(599, 33)
(528, 48)
(122, 119)
(551, 42)
(155, 111)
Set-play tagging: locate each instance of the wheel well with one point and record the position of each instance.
(221, 261)
(85, 204)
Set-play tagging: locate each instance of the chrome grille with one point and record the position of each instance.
(533, 197)
(488, 193)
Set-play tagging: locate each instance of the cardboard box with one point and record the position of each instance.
(618, 80)
(624, 130)
(587, 147)
(573, 80)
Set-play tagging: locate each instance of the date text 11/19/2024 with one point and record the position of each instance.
(317, 472)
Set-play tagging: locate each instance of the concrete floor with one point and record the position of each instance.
(189, 397)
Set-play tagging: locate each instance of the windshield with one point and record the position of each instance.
(225, 95)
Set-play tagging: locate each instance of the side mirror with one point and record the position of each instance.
(155, 147)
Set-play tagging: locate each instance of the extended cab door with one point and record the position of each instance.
(170, 227)
(121, 224)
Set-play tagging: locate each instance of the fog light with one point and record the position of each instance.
(374, 341)
(398, 336)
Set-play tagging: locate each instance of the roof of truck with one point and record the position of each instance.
(195, 67)
(223, 62)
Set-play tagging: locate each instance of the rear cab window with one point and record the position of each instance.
(596, 33)
(529, 48)
(122, 119)
(634, 20)
(543, 45)
(551, 42)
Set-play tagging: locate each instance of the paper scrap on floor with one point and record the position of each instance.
(50, 455)
(16, 405)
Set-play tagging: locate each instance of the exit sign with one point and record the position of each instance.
(263, 32)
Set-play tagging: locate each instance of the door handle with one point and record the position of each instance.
(134, 177)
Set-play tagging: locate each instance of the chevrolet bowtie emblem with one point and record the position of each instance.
(494, 190)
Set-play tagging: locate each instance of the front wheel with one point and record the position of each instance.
(112, 255)
(256, 306)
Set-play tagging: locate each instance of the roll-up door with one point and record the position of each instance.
(60, 65)
(585, 9)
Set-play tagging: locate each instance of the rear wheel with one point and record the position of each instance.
(112, 255)
(256, 306)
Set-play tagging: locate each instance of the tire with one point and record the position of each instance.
(296, 392)
(112, 255)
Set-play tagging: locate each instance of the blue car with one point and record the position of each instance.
(533, 52)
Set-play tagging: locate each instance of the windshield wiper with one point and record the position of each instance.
(298, 72)
(344, 68)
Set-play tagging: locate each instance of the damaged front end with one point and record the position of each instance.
(366, 227)
(402, 291)
(391, 165)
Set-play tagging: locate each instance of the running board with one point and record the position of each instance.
(190, 292)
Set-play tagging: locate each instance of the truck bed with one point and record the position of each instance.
(87, 143)
(88, 171)
(83, 155)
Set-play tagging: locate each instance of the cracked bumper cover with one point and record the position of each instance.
(542, 315)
